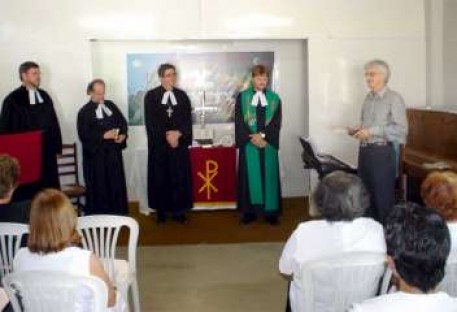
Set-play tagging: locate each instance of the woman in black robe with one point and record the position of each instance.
(102, 130)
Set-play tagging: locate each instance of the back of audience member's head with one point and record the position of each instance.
(341, 196)
(439, 191)
(418, 243)
(9, 173)
(53, 223)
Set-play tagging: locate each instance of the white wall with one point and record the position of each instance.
(434, 51)
(341, 35)
(450, 52)
(441, 47)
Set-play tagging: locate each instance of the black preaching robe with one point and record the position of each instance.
(242, 133)
(169, 173)
(103, 166)
(18, 115)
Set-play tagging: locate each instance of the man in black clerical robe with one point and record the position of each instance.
(102, 130)
(168, 121)
(29, 108)
(257, 127)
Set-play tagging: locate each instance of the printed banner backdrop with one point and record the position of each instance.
(221, 75)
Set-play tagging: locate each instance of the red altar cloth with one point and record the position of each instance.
(214, 174)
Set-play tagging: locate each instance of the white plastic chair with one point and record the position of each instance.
(340, 281)
(449, 282)
(53, 291)
(100, 235)
(11, 235)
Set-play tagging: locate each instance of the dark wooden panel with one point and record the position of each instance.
(432, 137)
(433, 132)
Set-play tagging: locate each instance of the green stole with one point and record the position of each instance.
(256, 191)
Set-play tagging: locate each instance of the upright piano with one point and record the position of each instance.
(431, 145)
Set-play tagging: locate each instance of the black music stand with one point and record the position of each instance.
(322, 163)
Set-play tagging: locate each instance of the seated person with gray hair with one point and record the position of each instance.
(341, 199)
(11, 211)
(418, 245)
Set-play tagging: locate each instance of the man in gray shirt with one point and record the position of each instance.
(384, 127)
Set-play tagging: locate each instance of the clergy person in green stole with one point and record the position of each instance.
(257, 127)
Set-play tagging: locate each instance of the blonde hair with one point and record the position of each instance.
(259, 70)
(53, 223)
(439, 191)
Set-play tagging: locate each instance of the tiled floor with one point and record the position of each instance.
(229, 277)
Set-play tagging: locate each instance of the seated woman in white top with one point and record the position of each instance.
(418, 245)
(439, 192)
(341, 199)
(52, 242)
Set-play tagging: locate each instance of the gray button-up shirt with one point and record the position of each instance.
(384, 113)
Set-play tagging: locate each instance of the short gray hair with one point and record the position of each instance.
(341, 196)
(380, 64)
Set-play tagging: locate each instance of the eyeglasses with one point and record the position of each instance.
(372, 73)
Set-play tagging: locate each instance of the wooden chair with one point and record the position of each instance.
(68, 174)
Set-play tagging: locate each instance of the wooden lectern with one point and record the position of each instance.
(26, 147)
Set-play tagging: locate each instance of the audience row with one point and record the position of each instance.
(417, 241)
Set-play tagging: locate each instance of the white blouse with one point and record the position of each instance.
(405, 302)
(72, 260)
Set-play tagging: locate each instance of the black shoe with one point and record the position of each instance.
(180, 218)
(272, 220)
(248, 218)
